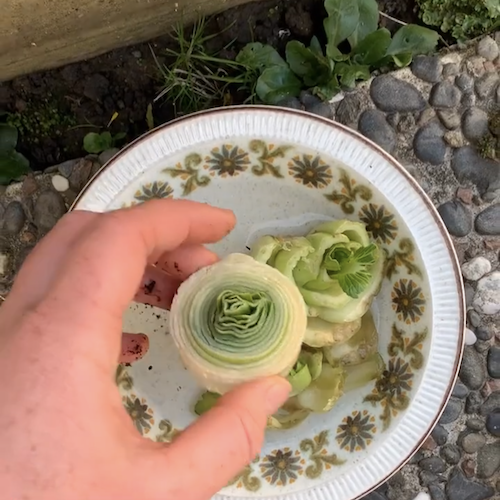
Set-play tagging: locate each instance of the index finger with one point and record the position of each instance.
(108, 261)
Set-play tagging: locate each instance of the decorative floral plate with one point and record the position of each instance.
(272, 164)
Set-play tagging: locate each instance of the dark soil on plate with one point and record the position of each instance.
(56, 109)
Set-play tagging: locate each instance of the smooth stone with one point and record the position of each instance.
(349, 109)
(451, 412)
(460, 391)
(468, 166)
(60, 183)
(422, 496)
(476, 268)
(475, 124)
(475, 424)
(80, 174)
(464, 82)
(427, 68)
(429, 145)
(436, 492)
(491, 405)
(375, 495)
(494, 361)
(390, 94)
(484, 333)
(427, 478)
(493, 423)
(105, 156)
(373, 124)
(321, 109)
(13, 217)
(450, 69)
(457, 218)
(488, 221)
(433, 464)
(445, 95)
(488, 460)
(486, 85)
(66, 168)
(440, 435)
(451, 454)
(469, 294)
(468, 100)
(487, 48)
(474, 318)
(481, 347)
(460, 488)
(49, 208)
(449, 118)
(472, 372)
(472, 442)
(487, 298)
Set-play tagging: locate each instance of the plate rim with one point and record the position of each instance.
(401, 170)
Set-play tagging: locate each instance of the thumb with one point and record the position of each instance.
(226, 439)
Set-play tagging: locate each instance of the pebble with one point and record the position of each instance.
(460, 488)
(491, 404)
(433, 464)
(375, 496)
(4, 263)
(14, 217)
(451, 453)
(450, 69)
(468, 100)
(488, 221)
(422, 496)
(487, 48)
(449, 118)
(487, 298)
(473, 403)
(460, 391)
(426, 116)
(80, 174)
(29, 186)
(321, 109)
(494, 362)
(475, 124)
(488, 460)
(445, 95)
(476, 268)
(105, 156)
(469, 467)
(49, 208)
(429, 145)
(451, 412)
(474, 318)
(427, 68)
(66, 168)
(482, 347)
(472, 369)
(457, 218)
(493, 423)
(427, 478)
(436, 492)
(465, 195)
(469, 337)
(349, 108)
(468, 166)
(391, 94)
(486, 84)
(464, 82)
(60, 183)
(373, 124)
(484, 333)
(469, 294)
(472, 442)
(440, 435)
(475, 424)
(429, 444)
(475, 66)
(137, 54)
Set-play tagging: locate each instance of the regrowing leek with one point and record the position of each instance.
(237, 320)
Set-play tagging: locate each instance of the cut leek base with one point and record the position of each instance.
(297, 306)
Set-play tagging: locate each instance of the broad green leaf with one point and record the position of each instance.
(257, 56)
(97, 143)
(368, 22)
(402, 60)
(343, 17)
(277, 83)
(12, 166)
(372, 48)
(315, 47)
(119, 136)
(413, 39)
(8, 138)
(328, 91)
(305, 64)
(334, 53)
(348, 74)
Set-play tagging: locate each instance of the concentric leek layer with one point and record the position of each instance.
(237, 320)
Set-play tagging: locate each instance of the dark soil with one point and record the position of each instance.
(55, 109)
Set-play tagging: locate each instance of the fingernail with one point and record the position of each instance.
(277, 394)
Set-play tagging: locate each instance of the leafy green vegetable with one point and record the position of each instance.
(412, 39)
(312, 68)
(276, 83)
(367, 24)
(350, 73)
(12, 163)
(342, 20)
(372, 48)
(257, 56)
(97, 143)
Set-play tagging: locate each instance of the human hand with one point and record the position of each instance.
(64, 432)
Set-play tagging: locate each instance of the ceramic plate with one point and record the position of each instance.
(271, 164)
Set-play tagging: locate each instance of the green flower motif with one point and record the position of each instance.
(309, 171)
(379, 222)
(153, 191)
(281, 467)
(226, 161)
(141, 414)
(408, 301)
(356, 432)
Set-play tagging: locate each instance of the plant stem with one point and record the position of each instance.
(387, 16)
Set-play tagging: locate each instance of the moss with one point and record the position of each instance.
(494, 123)
(489, 147)
(41, 119)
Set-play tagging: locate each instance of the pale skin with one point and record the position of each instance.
(64, 432)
